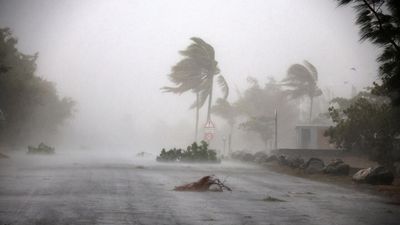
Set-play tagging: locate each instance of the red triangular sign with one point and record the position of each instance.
(209, 124)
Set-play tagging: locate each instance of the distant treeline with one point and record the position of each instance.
(29, 105)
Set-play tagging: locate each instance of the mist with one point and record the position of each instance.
(112, 58)
(199, 112)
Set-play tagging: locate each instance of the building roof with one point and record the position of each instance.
(312, 125)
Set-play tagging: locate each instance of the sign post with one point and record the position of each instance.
(276, 130)
(209, 131)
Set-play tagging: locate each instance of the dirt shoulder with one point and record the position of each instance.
(392, 191)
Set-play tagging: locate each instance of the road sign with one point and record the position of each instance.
(209, 130)
(208, 136)
(209, 125)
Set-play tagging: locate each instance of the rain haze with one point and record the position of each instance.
(292, 119)
(112, 58)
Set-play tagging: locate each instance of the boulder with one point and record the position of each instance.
(247, 157)
(260, 157)
(271, 158)
(314, 165)
(260, 154)
(282, 160)
(237, 155)
(337, 167)
(374, 175)
(295, 162)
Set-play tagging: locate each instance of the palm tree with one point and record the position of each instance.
(195, 72)
(302, 81)
(224, 109)
(379, 23)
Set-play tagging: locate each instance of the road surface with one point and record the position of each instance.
(71, 189)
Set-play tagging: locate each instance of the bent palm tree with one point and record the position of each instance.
(195, 72)
(302, 81)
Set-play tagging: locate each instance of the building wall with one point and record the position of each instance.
(317, 140)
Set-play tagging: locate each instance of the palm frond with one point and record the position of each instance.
(195, 72)
(298, 73)
(203, 95)
(224, 86)
(312, 69)
(301, 81)
(208, 49)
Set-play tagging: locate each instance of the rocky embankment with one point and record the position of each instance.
(333, 170)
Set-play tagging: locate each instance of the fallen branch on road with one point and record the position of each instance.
(207, 183)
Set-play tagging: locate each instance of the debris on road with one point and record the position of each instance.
(206, 183)
(272, 199)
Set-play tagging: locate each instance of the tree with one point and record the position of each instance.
(195, 72)
(30, 105)
(262, 125)
(379, 22)
(366, 123)
(224, 109)
(258, 104)
(302, 81)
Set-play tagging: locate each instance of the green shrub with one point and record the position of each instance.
(41, 149)
(193, 153)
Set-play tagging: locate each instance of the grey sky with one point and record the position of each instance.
(112, 57)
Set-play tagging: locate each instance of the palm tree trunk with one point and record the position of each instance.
(197, 117)
(230, 140)
(311, 108)
(210, 100)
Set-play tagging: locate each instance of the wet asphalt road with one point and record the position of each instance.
(122, 190)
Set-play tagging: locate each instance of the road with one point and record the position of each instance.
(72, 189)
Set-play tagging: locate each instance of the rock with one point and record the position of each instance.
(260, 157)
(295, 162)
(238, 155)
(374, 175)
(282, 160)
(235, 155)
(361, 175)
(337, 167)
(247, 157)
(314, 165)
(260, 154)
(271, 158)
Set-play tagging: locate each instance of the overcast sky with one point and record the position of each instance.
(112, 57)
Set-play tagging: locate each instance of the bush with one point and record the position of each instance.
(193, 153)
(41, 149)
(368, 124)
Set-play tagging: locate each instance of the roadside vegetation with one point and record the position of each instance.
(30, 107)
(369, 122)
(193, 153)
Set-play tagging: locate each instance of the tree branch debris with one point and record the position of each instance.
(206, 183)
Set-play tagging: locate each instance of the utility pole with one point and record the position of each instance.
(224, 140)
(276, 129)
